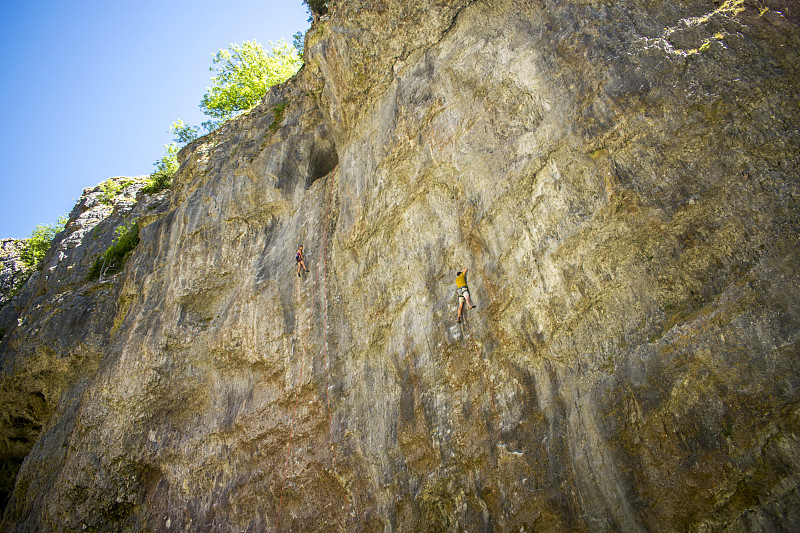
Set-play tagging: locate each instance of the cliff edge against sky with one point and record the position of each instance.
(622, 183)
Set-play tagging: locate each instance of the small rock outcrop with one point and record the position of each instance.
(621, 182)
(13, 270)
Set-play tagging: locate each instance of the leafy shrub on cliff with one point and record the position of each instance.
(183, 133)
(126, 237)
(39, 243)
(278, 112)
(320, 7)
(111, 188)
(161, 178)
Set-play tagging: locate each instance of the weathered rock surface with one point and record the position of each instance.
(13, 271)
(55, 330)
(621, 181)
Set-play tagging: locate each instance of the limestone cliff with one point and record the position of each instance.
(13, 270)
(620, 180)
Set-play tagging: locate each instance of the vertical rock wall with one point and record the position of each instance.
(56, 328)
(14, 271)
(620, 181)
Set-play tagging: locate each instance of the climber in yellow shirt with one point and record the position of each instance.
(462, 291)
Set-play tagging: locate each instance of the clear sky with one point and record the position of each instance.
(90, 87)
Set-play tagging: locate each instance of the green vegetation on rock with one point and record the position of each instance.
(319, 7)
(298, 41)
(279, 111)
(161, 178)
(184, 133)
(39, 242)
(111, 188)
(126, 237)
(243, 75)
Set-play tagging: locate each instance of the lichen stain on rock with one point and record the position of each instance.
(619, 179)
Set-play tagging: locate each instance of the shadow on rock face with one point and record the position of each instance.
(322, 159)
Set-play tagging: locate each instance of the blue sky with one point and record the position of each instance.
(90, 89)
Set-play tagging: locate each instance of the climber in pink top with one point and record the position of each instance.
(301, 260)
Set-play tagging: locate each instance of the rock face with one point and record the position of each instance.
(620, 181)
(56, 329)
(13, 271)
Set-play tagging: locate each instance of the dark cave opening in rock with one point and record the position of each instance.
(322, 159)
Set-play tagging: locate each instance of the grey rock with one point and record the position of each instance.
(13, 271)
(619, 179)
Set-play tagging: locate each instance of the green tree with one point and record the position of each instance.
(243, 75)
(39, 242)
(298, 41)
(183, 133)
(161, 178)
(320, 7)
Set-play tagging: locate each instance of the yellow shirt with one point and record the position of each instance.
(461, 280)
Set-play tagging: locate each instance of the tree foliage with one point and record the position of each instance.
(161, 178)
(111, 188)
(299, 41)
(243, 75)
(39, 242)
(319, 7)
(183, 133)
(126, 237)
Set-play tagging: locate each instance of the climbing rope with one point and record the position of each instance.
(325, 341)
(325, 322)
(296, 399)
(324, 269)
